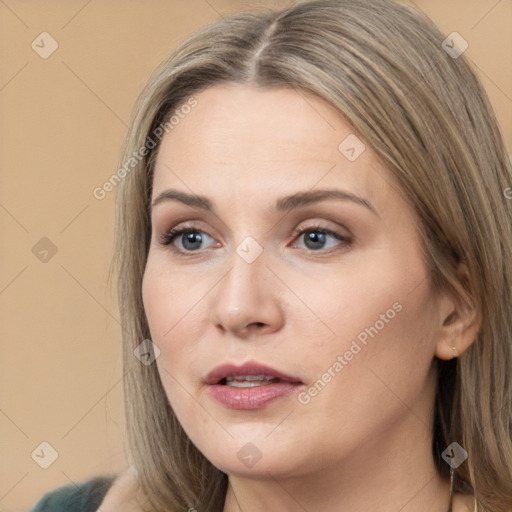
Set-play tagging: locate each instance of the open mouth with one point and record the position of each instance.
(247, 375)
(249, 381)
(249, 386)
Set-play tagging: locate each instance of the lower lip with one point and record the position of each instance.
(251, 398)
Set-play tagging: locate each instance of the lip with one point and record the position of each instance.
(252, 397)
(248, 368)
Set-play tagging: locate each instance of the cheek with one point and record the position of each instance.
(177, 311)
(377, 317)
(361, 301)
(172, 300)
(387, 348)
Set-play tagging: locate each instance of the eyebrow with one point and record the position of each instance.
(283, 204)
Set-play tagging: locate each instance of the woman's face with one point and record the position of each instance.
(295, 322)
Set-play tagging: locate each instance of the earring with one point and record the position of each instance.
(455, 352)
(451, 488)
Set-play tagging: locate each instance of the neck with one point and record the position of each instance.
(385, 476)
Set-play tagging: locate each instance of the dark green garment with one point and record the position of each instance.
(83, 497)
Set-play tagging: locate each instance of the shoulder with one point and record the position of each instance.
(82, 497)
(124, 494)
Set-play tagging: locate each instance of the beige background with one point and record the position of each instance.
(62, 122)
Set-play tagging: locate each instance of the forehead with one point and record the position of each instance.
(245, 142)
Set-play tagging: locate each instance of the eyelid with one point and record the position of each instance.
(344, 240)
(321, 226)
(174, 232)
(169, 236)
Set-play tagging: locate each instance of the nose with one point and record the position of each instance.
(247, 300)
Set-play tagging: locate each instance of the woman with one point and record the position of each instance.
(313, 258)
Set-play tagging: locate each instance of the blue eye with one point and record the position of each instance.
(315, 239)
(190, 238)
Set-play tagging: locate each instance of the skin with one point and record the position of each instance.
(363, 443)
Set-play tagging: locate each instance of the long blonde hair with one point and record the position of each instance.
(383, 67)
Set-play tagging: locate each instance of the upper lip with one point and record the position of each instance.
(249, 368)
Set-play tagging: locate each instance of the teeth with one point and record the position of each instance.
(249, 381)
(249, 377)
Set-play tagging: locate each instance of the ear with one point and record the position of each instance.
(460, 318)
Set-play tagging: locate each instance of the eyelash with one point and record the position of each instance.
(167, 238)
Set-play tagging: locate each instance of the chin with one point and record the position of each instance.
(276, 465)
(257, 458)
